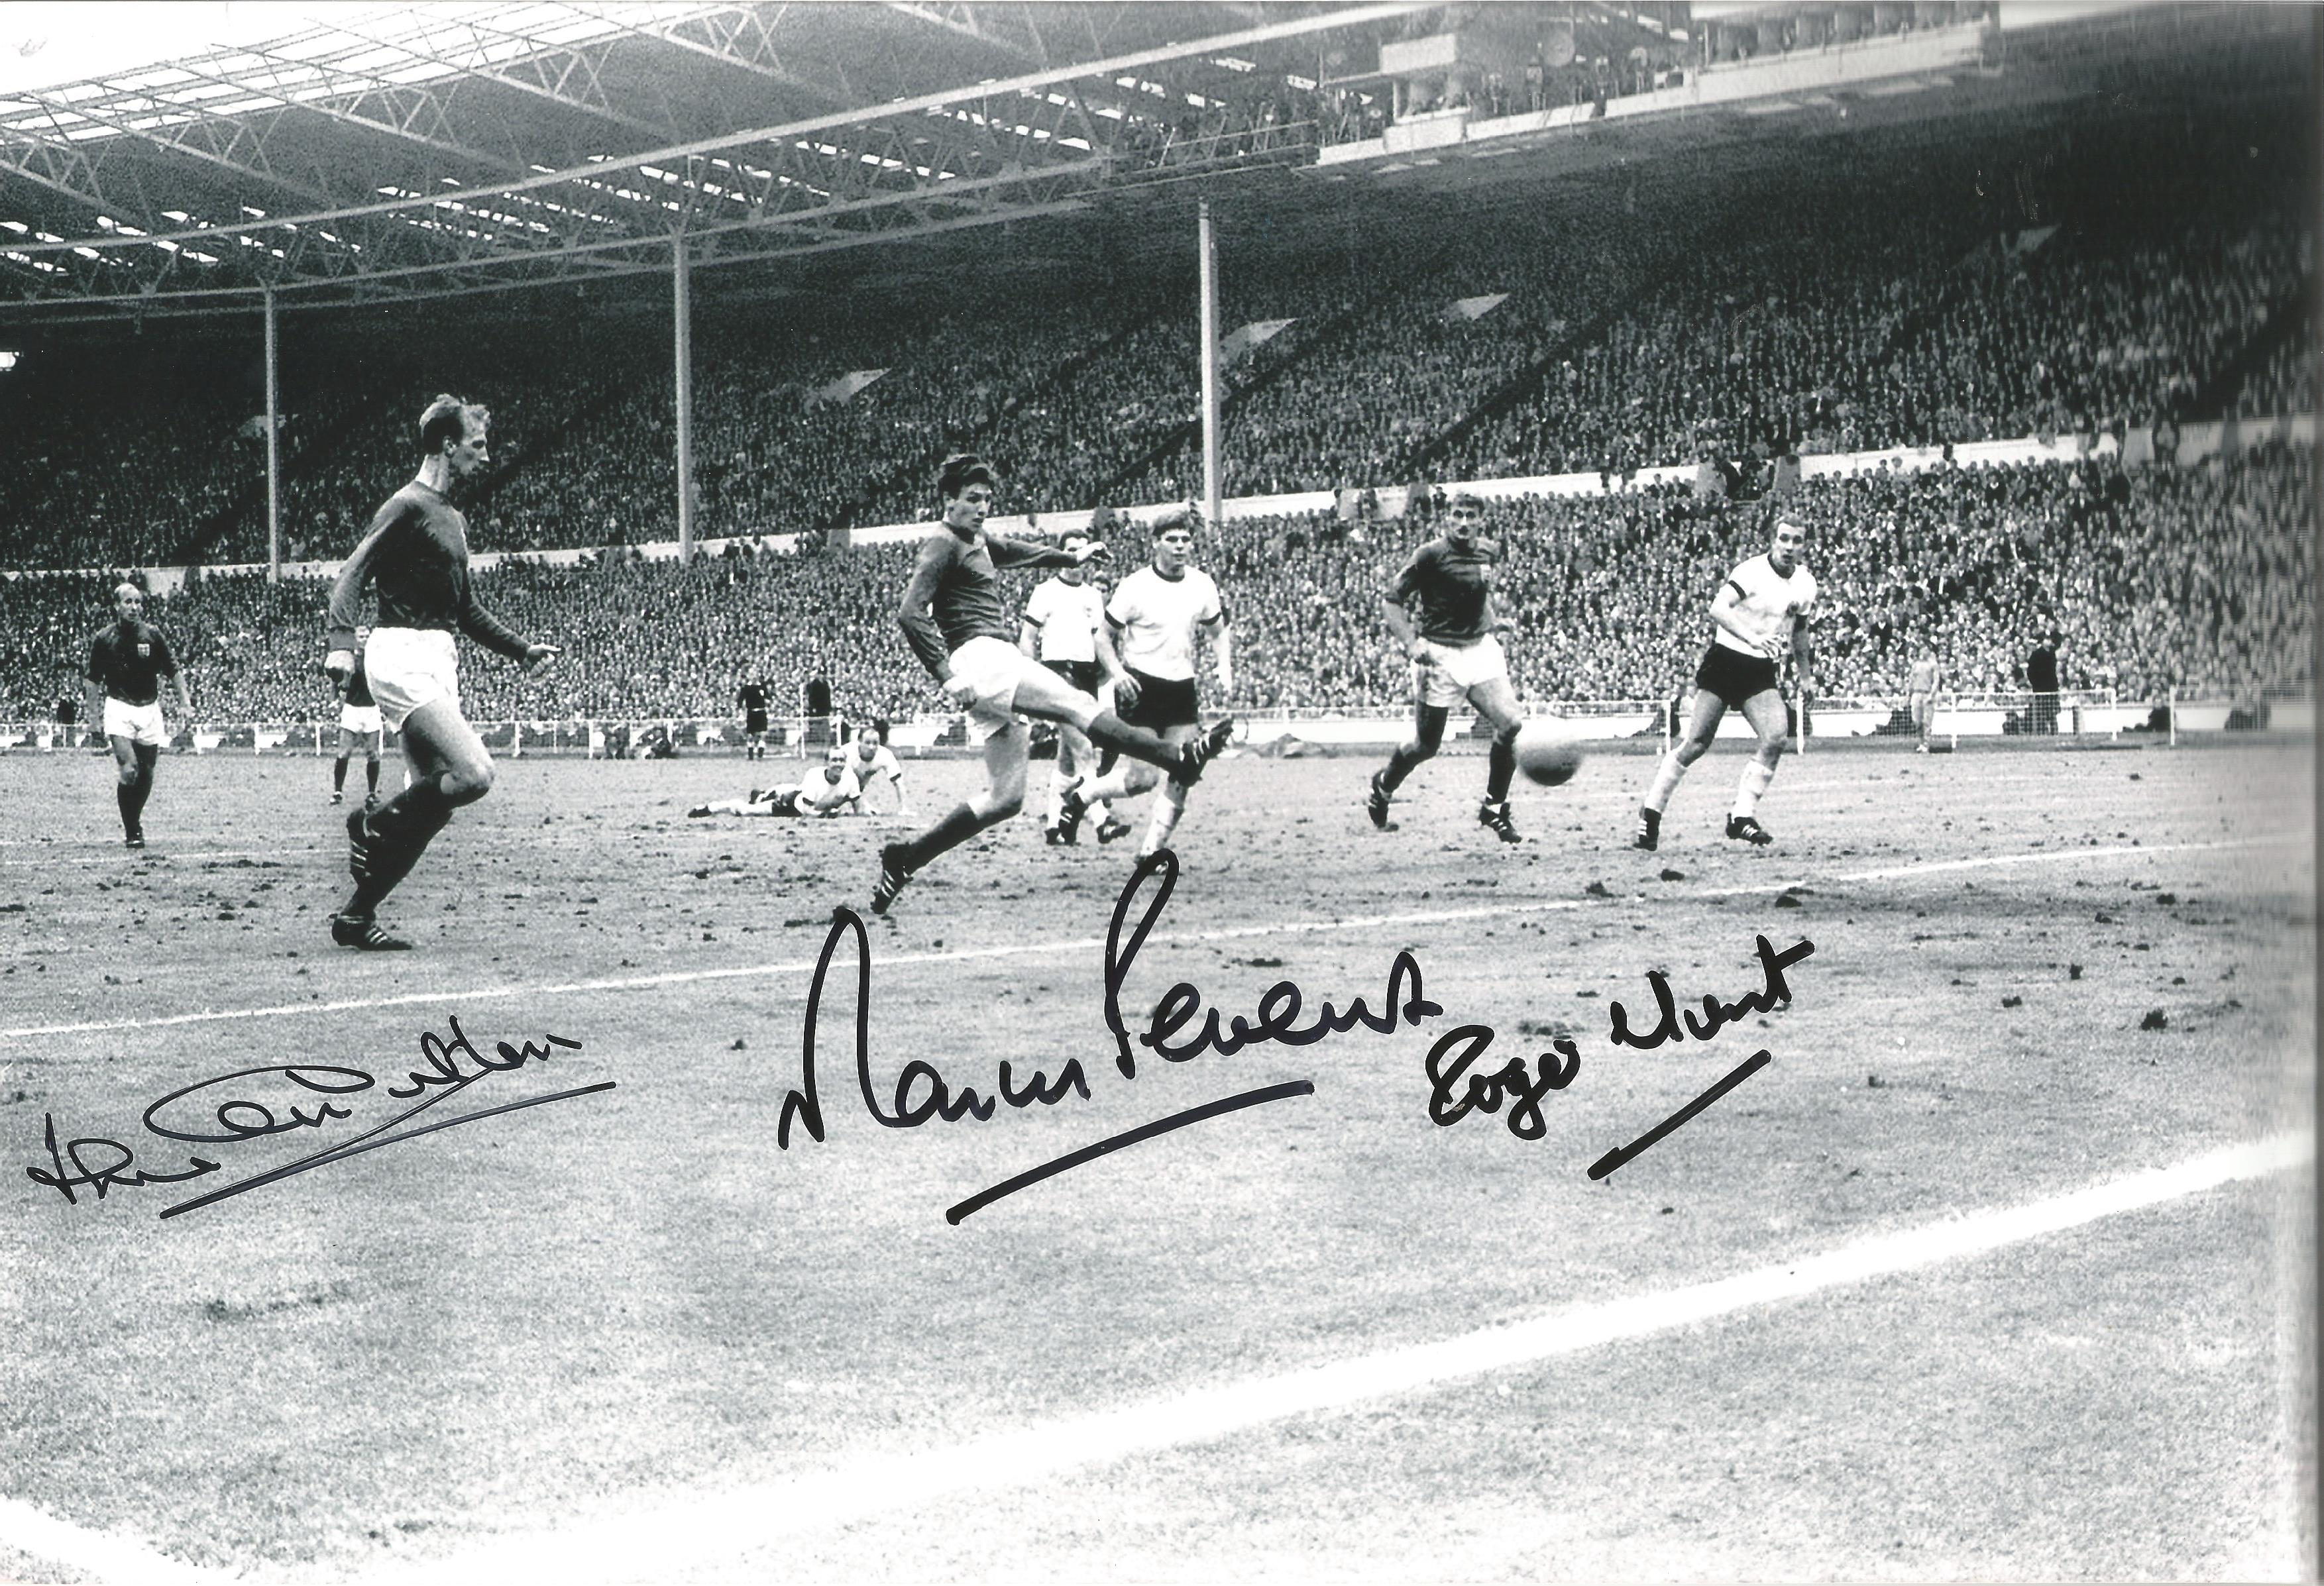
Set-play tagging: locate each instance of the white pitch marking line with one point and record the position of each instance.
(101, 1553)
(714, 1532)
(682, 977)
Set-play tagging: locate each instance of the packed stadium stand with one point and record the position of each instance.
(1732, 307)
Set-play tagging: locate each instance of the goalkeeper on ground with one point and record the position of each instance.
(832, 789)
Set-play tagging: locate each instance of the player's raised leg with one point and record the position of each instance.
(450, 768)
(1007, 754)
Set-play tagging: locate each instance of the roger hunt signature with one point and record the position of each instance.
(1181, 1028)
(230, 1109)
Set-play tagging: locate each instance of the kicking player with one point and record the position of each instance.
(1761, 610)
(952, 615)
(1920, 693)
(416, 552)
(1455, 657)
(870, 758)
(832, 790)
(359, 724)
(1160, 616)
(122, 689)
(1064, 629)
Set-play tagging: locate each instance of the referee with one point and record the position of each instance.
(123, 687)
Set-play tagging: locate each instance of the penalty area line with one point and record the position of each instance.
(712, 1535)
(1281, 928)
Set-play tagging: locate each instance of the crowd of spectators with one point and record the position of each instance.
(2197, 579)
(2102, 286)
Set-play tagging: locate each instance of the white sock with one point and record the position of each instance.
(1665, 782)
(1058, 783)
(1167, 808)
(1114, 784)
(1755, 781)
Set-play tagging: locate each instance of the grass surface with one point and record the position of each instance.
(633, 1294)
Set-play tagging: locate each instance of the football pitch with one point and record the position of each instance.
(537, 1254)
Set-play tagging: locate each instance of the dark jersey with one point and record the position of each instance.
(1447, 591)
(129, 661)
(359, 684)
(751, 698)
(955, 595)
(416, 548)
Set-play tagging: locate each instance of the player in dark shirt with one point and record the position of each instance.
(123, 689)
(752, 698)
(416, 552)
(359, 726)
(1440, 610)
(953, 616)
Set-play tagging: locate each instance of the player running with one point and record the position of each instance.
(1160, 616)
(1440, 610)
(833, 789)
(952, 615)
(359, 726)
(1064, 629)
(416, 552)
(1762, 609)
(122, 689)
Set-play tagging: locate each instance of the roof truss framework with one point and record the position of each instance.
(460, 149)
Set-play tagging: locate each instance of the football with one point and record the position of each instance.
(1547, 754)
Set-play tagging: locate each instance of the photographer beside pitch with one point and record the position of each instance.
(417, 551)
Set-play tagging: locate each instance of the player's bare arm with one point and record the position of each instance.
(1125, 684)
(1221, 641)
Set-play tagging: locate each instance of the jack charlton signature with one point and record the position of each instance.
(249, 1104)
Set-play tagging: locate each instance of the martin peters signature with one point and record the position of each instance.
(1181, 1028)
(257, 1103)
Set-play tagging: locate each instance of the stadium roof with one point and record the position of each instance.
(364, 155)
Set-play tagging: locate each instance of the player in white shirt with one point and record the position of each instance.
(1759, 613)
(1160, 616)
(1064, 628)
(870, 758)
(830, 789)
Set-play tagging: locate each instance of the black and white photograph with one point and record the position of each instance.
(1178, 791)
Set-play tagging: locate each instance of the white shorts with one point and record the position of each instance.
(139, 723)
(993, 668)
(360, 719)
(1455, 668)
(410, 667)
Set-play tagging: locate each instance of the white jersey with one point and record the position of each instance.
(1068, 615)
(1160, 619)
(1769, 602)
(882, 763)
(819, 792)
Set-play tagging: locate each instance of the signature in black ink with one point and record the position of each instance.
(249, 1104)
(921, 1093)
(1703, 1027)
(1449, 1060)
